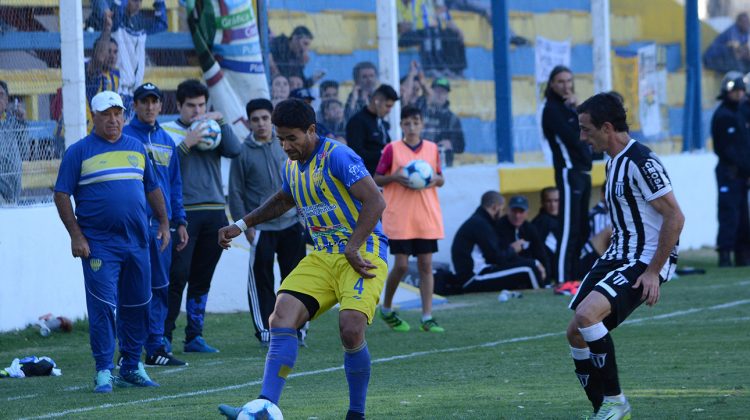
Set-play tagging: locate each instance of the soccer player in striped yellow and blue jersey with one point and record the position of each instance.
(341, 206)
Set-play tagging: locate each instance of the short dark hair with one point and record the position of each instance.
(302, 31)
(387, 91)
(411, 111)
(617, 95)
(555, 71)
(605, 107)
(492, 197)
(191, 88)
(293, 113)
(111, 40)
(258, 103)
(5, 87)
(325, 84)
(361, 66)
(546, 190)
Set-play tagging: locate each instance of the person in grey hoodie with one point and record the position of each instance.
(203, 198)
(255, 176)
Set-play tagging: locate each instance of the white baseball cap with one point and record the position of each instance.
(105, 100)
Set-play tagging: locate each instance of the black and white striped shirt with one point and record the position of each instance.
(635, 177)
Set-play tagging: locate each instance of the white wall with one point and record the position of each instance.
(38, 274)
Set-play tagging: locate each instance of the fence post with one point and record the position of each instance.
(73, 73)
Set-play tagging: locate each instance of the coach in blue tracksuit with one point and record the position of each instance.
(109, 176)
(163, 156)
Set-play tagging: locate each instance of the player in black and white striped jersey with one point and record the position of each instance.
(646, 222)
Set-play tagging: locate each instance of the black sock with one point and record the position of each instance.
(353, 415)
(588, 377)
(603, 357)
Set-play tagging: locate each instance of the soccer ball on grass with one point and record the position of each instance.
(260, 409)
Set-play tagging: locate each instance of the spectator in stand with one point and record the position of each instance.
(547, 224)
(414, 86)
(279, 89)
(427, 24)
(130, 26)
(13, 138)
(367, 131)
(365, 76)
(290, 54)
(480, 7)
(101, 71)
(306, 95)
(485, 262)
(332, 116)
(329, 89)
(514, 229)
(295, 83)
(730, 50)
(441, 125)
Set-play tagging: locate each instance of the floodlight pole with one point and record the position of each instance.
(73, 74)
(264, 33)
(388, 58)
(501, 61)
(601, 45)
(692, 130)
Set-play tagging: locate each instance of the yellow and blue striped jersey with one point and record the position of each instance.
(320, 188)
(109, 182)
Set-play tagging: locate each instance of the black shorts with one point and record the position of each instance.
(613, 279)
(412, 246)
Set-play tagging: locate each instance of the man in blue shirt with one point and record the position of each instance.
(163, 158)
(109, 176)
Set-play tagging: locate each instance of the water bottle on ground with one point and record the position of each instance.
(506, 295)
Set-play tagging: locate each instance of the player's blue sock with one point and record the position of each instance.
(282, 353)
(357, 368)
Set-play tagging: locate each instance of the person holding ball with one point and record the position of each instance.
(416, 231)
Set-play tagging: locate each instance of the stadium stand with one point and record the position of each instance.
(172, 60)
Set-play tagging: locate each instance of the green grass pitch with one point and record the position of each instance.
(685, 358)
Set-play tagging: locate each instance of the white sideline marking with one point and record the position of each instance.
(173, 370)
(381, 360)
(22, 397)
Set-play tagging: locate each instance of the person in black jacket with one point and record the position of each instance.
(732, 145)
(524, 239)
(547, 224)
(484, 262)
(572, 161)
(367, 131)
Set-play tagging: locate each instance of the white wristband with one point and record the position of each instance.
(241, 224)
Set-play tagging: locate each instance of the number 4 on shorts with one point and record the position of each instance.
(360, 286)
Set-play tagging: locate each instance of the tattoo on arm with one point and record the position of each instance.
(274, 207)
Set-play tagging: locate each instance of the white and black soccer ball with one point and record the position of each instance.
(260, 409)
(419, 173)
(212, 136)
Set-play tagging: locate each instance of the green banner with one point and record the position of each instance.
(234, 20)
